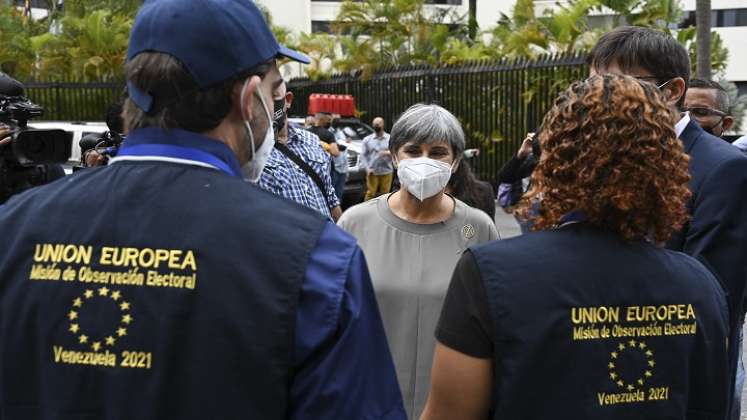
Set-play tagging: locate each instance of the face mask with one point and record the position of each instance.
(252, 170)
(379, 130)
(424, 177)
(278, 116)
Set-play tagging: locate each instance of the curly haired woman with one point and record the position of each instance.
(589, 318)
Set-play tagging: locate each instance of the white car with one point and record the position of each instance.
(76, 131)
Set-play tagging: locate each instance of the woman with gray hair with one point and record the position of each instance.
(413, 239)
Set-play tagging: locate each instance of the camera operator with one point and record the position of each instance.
(28, 157)
(96, 150)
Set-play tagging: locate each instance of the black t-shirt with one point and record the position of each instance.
(324, 134)
(465, 324)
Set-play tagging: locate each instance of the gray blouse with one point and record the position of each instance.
(411, 267)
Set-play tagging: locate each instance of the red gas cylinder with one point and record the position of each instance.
(315, 104)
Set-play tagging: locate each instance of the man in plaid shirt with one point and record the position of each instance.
(285, 178)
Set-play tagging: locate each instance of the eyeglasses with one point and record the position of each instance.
(655, 80)
(702, 112)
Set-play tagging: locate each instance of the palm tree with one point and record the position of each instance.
(703, 25)
(472, 19)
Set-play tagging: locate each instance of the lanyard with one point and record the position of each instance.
(179, 152)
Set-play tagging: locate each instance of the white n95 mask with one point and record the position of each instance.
(423, 177)
(252, 170)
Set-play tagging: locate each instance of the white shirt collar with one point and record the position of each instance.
(682, 124)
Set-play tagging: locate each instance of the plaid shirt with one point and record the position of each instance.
(281, 176)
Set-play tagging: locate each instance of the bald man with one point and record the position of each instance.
(377, 160)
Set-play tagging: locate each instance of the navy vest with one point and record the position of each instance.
(588, 326)
(150, 291)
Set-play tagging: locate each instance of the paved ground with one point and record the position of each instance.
(508, 227)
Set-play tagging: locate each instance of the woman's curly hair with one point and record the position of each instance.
(609, 151)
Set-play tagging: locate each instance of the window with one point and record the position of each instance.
(722, 18)
(451, 2)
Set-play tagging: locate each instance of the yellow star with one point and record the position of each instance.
(611, 365)
(614, 355)
(103, 291)
(72, 315)
(640, 382)
(110, 341)
(647, 373)
(632, 343)
(630, 387)
(83, 339)
(124, 306)
(127, 318)
(651, 363)
(621, 346)
(78, 302)
(96, 346)
(613, 376)
(620, 383)
(649, 353)
(642, 345)
(88, 294)
(115, 295)
(122, 332)
(74, 328)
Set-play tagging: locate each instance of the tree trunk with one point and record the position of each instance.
(703, 25)
(472, 19)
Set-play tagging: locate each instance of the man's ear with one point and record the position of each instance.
(728, 122)
(288, 99)
(246, 96)
(675, 90)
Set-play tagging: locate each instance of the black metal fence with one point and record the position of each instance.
(498, 102)
(64, 101)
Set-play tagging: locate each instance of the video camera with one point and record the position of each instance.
(105, 144)
(24, 162)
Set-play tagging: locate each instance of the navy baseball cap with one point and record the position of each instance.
(213, 39)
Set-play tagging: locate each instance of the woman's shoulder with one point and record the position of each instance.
(477, 218)
(363, 211)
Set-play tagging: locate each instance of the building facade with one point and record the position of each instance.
(729, 19)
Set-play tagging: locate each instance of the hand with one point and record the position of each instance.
(93, 158)
(369, 172)
(526, 147)
(5, 138)
(385, 153)
(470, 153)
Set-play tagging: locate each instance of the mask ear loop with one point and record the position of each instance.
(247, 126)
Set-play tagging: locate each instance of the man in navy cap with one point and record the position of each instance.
(163, 286)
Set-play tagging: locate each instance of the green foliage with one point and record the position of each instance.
(737, 104)
(88, 48)
(16, 53)
(719, 52)
(382, 33)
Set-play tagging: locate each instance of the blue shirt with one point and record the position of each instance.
(344, 367)
(281, 176)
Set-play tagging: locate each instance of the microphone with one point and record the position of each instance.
(10, 86)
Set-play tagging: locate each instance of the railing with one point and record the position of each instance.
(65, 101)
(498, 102)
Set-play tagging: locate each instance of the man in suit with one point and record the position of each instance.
(717, 231)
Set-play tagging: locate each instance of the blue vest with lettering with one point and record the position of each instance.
(588, 326)
(150, 290)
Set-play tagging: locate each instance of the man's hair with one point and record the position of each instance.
(610, 151)
(177, 100)
(722, 97)
(654, 51)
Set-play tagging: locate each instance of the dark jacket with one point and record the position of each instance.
(717, 232)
